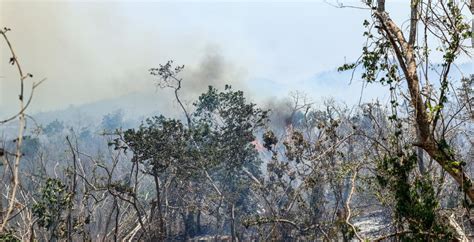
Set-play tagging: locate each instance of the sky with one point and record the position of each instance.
(96, 50)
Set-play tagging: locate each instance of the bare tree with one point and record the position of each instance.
(21, 115)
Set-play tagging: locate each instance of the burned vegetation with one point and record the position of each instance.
(227, 169)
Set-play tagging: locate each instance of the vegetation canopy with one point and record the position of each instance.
(223, 167)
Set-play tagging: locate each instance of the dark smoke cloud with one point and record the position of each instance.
(92, 51)
(281, 112)
(212, 70)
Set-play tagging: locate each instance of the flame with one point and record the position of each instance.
(258, 146)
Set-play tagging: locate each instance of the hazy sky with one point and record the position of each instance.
(95, 50)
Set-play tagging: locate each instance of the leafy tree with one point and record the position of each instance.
(161, 145)
(416, 202)
(51, 206)
(392, 56)
(53, 128)
(216, 145)
(112, 121)
(232, 123)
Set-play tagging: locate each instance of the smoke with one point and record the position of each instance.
(95, 51)
(212, 70)
(281, 112)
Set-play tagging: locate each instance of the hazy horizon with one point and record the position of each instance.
(92, 51)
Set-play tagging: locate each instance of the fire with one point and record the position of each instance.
(258, 146)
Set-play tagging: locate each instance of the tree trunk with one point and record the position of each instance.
(404, 51)
(198, 222)
(232, 224)
(161, 224)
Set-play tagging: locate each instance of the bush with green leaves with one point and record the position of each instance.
(8, 236)
(53, 201)
(416, 204)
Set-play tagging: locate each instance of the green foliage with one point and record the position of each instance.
(112, 121)
(376, 60)
(159, 143)
(222, 132)
(53, 128)
(448, 151)
(8, 236)
(53, 201)
(415, 201)
(346, 67)
(218, 140)
(230, 122)
(459, 30)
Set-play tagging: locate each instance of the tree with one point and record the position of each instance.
(214, 150)
(393, 56)
(232, 123)
(51, 206)
(161, 146)
(17, 153)
(310, 177)
(112, 121)
(54, 127)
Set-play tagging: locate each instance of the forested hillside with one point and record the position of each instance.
(220, 166)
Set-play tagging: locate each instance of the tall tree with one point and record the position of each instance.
(396, 57)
